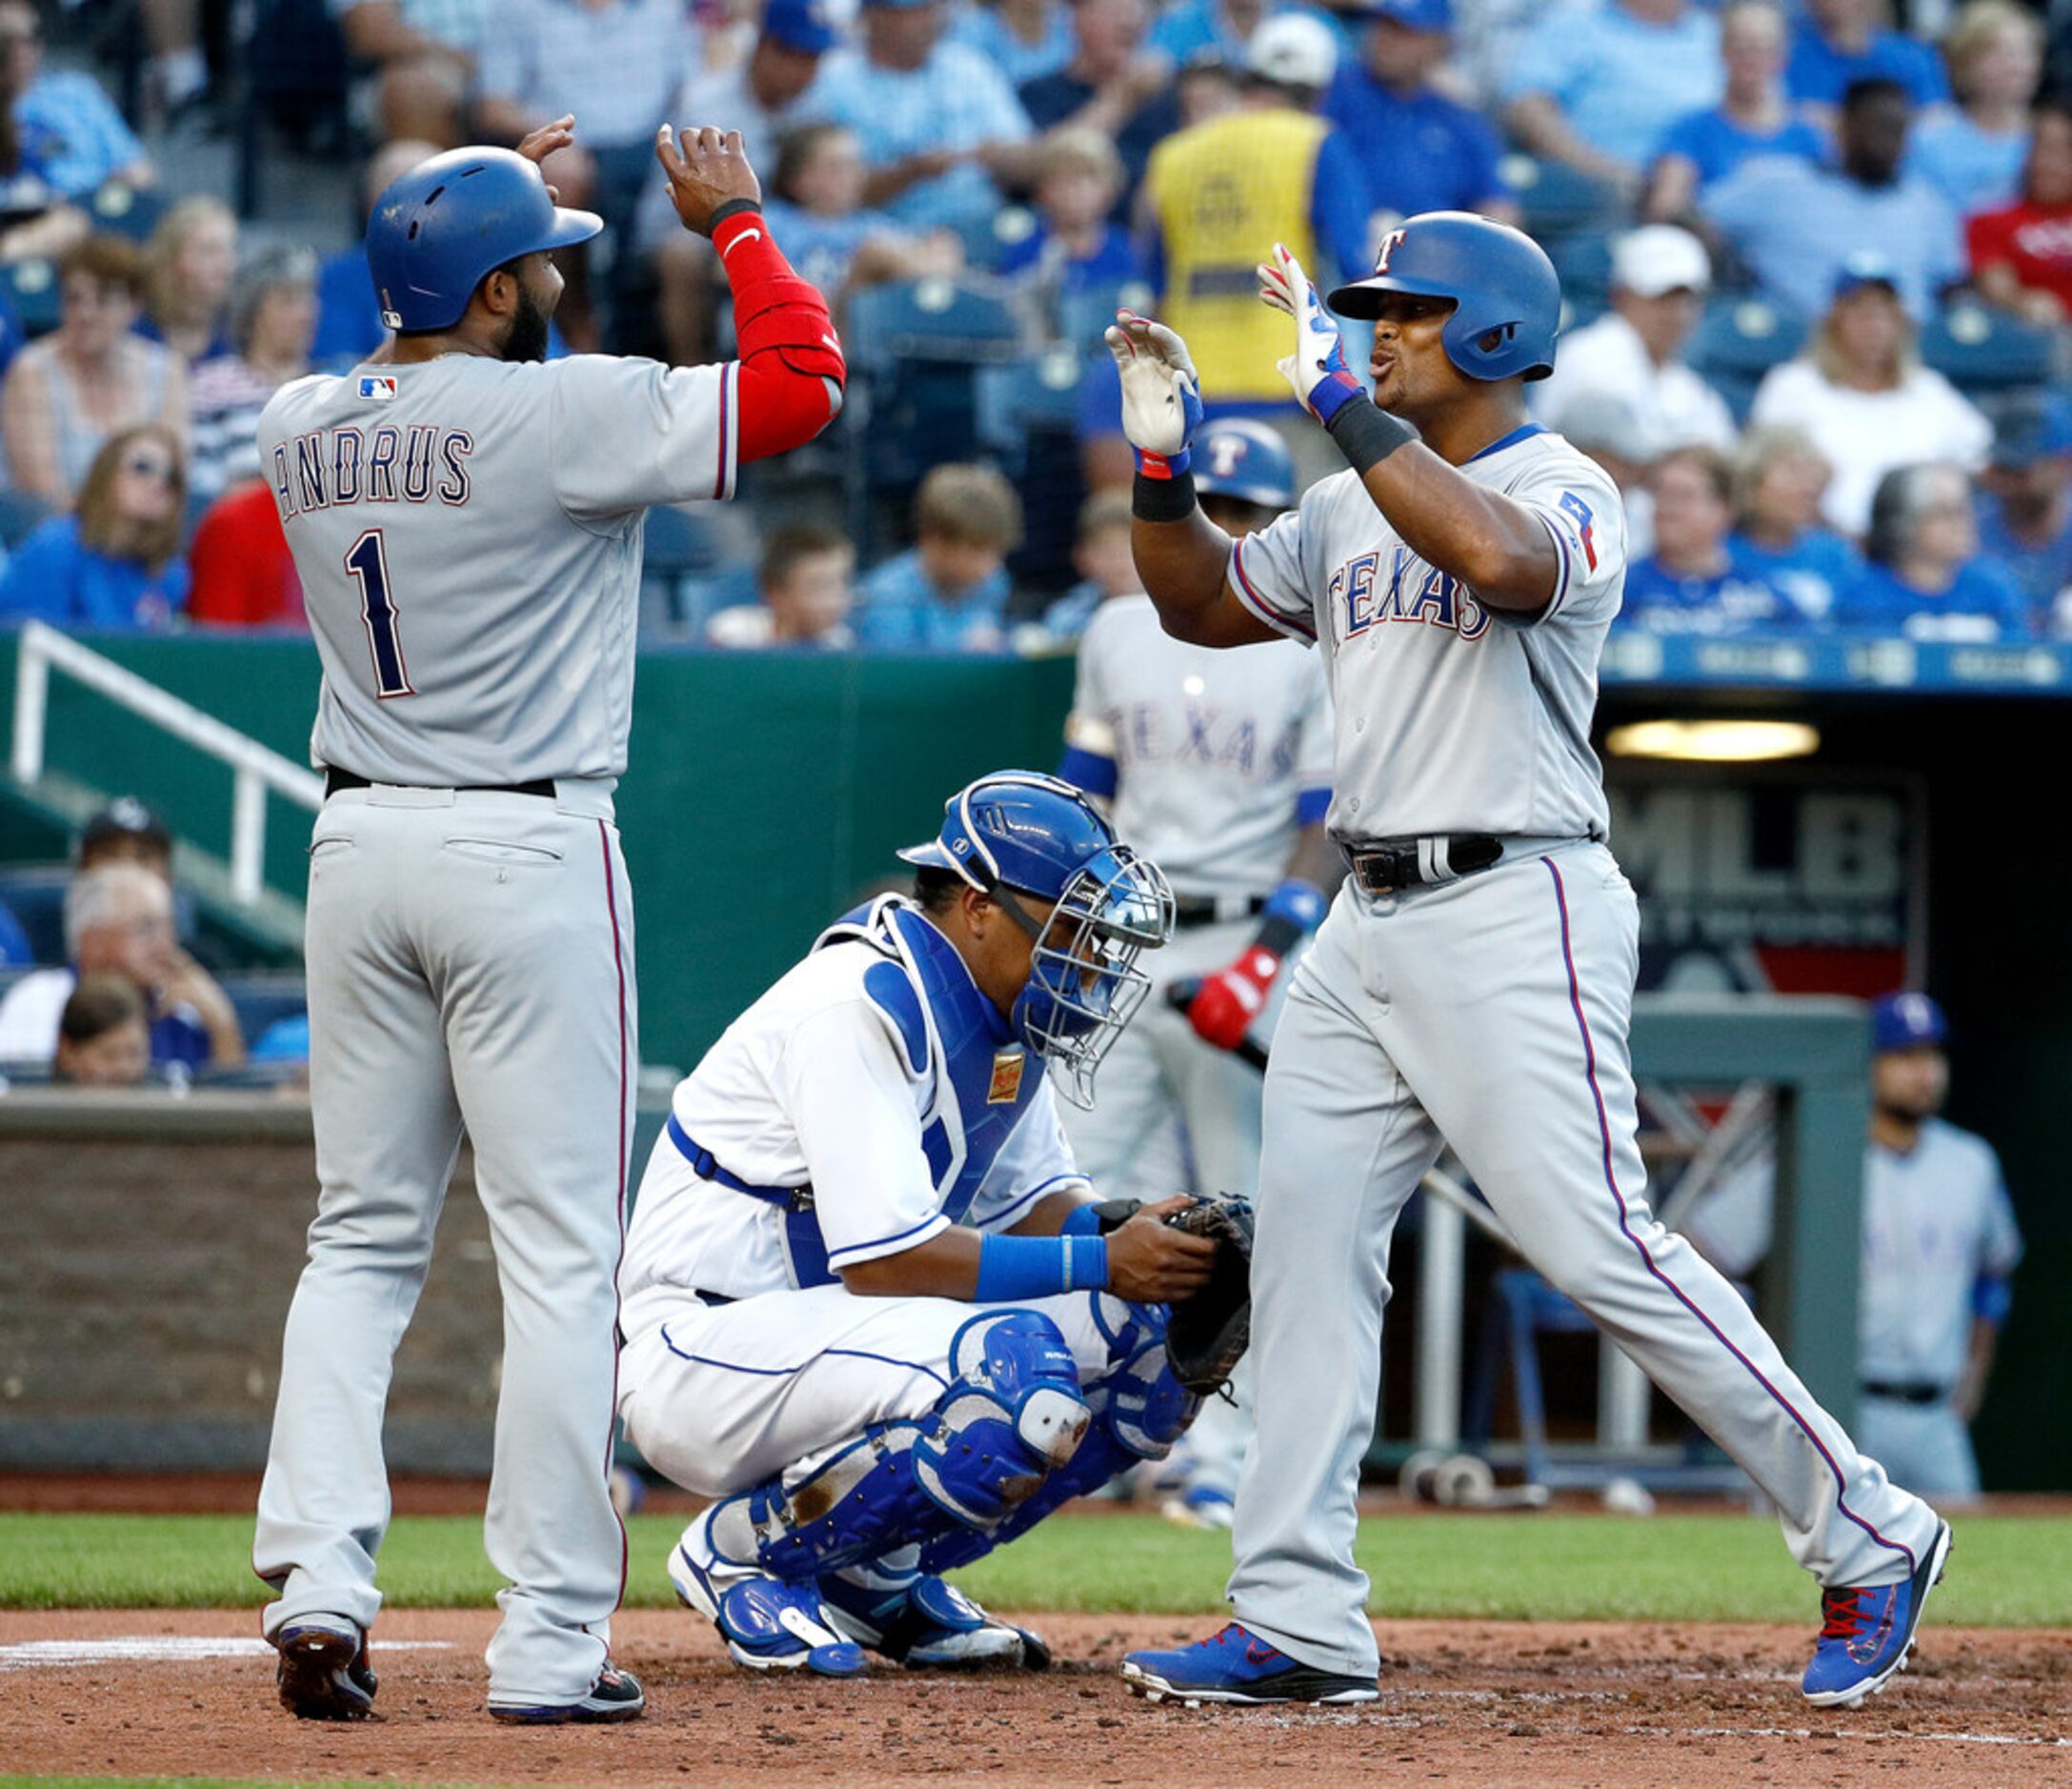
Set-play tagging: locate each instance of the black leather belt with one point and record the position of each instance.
(335, 779)
(1393, 864)
(1913, 1392)
(1209, 910)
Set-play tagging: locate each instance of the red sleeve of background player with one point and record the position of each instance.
(793, 374)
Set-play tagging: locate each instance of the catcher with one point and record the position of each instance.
(869, 1307)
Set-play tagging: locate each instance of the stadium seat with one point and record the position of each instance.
(1736, 342)
(260, 997)
(32, 295)
(1983, 351)
(1554, 199)
(968, 321)
(19, 513)
(1525, 1308)
(678, 550)
(36, 896)
(1030, 410)
(123, 210)
(1584, 260)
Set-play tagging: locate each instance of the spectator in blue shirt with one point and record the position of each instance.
(1418, 150)
(14, 945)
(1689, 583)
(65, 117)
(2025, 505)
(1781, 478)
(1752, 118)
(1115, 83)
(1071, 268)
(1024, 39)
(1797, 227)
(940, 124)
(1973, 156)
(1596, 88)
(947, 593)
(114, 562)
(1926, 577)
(1838, 43)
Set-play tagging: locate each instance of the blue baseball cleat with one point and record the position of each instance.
(768, 1625)
(1869, 1631)
(929, 1624)
(1237, 1666)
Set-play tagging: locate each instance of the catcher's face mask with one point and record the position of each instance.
(1084, 982)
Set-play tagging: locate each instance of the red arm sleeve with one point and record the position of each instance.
(793, 374)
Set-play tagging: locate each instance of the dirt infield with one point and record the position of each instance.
(1498, 1703)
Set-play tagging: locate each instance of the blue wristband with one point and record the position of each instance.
(1038, 1267)
(1301, 904)
(1084, 1220)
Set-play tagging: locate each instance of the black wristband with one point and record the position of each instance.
(1366, 436)
(728, 208)
(1278, 935)
(1163, 499)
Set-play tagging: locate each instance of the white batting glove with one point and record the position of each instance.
(1317, 369)
(1162, 393)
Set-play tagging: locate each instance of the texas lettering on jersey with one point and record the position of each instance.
(330, 468)
(1398, 586)
(1192, 732)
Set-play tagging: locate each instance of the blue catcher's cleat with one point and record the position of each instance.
(768, 1625)
(1237, 1666)
(1869, 1631)
(925, 1623)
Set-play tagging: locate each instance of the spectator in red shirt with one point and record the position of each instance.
(244, 575)
(2021, 257)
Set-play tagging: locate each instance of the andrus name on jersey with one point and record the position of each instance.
(1412, 591)
(329, 467)
(1155, 733)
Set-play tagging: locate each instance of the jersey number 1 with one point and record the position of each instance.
(368, 564)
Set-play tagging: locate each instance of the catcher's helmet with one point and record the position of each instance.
(1019, 832)
(1500, 281)
(439, 228)
(1238, 457)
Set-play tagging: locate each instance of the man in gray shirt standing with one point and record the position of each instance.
(466, 519)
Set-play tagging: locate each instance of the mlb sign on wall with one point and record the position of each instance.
(1799, 886)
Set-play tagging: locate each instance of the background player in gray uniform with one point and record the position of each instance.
(1940, 1247)
(1472, 983)
(1225, 759)
(467, 525)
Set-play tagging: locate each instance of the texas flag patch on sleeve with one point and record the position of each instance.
(380, 387)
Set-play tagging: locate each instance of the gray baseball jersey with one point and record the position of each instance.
(1456, 718)
(468, 532)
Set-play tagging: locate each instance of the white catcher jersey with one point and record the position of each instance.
(468, 533)
(1451, 716)
(1212, 748)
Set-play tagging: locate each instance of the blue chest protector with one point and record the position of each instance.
(984, 1080)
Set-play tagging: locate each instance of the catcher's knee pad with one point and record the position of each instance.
(1135, 1397)
(1011, 1416)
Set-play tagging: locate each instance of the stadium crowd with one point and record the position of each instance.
(1818, 260)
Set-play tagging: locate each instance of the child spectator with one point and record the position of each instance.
(1115, 83)
(1024, 39)
(1075, 252)
(115, 562)
(64, 116)
(2021, 256)
(190, 265)
(2025, 509)
(805, 586)
(817, 210)
(1780, 479)
(1101, 556)
(1973, 154)
(243, 575)
(1860, 392)
(68, 393)
(1838, 43)
(1926, 577)
(1752, 118)
(103, 1036)
(272, 319)
(947, 593)
(1689, 583)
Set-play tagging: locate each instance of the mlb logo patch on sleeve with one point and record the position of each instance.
(378, 386)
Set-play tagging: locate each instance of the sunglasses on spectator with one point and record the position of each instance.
(150, 466)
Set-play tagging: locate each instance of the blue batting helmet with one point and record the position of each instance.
(440, 228)
(1238, 457)
(1507, 297)
(1021, 833)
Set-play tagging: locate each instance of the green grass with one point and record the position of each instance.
(2008, 1571)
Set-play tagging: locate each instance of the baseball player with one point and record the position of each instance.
(1939, 1248)
(467, 523)
(1472, 984)
(1220, 765)
(868, 1305)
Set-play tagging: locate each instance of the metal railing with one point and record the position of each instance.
(254, 768)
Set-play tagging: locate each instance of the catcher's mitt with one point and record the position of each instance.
(1208, 1333)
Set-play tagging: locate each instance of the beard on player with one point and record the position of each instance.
(527, 338)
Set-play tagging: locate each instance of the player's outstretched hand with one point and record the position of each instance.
(1317, 369)
(709, 169)
(1162, 393)
(1150, 1262)
(535, 146)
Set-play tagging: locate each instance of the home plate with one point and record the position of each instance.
(153, 1648)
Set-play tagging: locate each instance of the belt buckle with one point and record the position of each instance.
(1373, 867)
